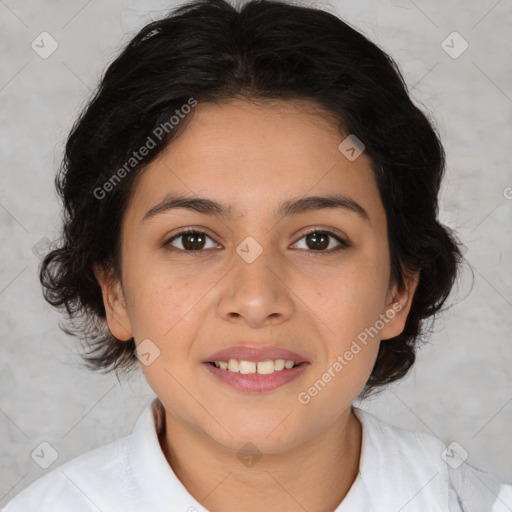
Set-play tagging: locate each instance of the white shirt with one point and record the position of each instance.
(399, 470)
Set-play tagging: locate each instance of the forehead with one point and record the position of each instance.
(256, 156)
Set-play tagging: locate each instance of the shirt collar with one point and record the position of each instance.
(398, 470)
(373, 487)
(159, 486)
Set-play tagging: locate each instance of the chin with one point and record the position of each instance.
(271, 437)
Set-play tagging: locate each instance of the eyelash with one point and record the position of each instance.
(343, 243)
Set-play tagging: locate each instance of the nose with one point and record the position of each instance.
(256, 292)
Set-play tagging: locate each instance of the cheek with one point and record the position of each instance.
(350, 304)
(354, 296)
(168, 310)
(163, 298)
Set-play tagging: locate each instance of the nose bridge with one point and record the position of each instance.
(254, 264)
(255, 289)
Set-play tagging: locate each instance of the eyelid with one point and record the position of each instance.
(186, 231)
(341, 239)
(191, 229)
(343, 242)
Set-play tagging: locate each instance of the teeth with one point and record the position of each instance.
(266, 367)
(279, 364)
(233, 365)
(249, 367)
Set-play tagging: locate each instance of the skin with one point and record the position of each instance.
(253, 157)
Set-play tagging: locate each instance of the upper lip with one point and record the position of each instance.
(255, 354)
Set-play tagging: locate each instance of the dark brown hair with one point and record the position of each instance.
(211, 51)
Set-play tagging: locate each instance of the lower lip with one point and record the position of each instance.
(254, 381)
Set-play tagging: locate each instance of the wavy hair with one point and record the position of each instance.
(266, 49)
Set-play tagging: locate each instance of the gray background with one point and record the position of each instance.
(461, 386)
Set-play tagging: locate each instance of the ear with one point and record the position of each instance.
(118, 319)
(399, 302)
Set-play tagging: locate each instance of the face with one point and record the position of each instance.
(309, 279)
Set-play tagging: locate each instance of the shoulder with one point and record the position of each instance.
(128, 475)
(403, 445)
(79, 484)
(476, 489)
(417, 464)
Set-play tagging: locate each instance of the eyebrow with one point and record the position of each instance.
(295, 206)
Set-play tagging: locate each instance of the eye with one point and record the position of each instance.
(190, 240)
(318, 240)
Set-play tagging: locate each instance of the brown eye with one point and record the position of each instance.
(190, 241)
(317, 240)
(320, 240)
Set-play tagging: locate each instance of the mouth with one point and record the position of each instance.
(246, 367)
(256, 376)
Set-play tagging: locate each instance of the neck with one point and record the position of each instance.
(315, 475)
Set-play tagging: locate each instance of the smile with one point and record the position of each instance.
(259, 367)
(256, 376)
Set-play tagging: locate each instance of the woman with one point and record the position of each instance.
(251, 205)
